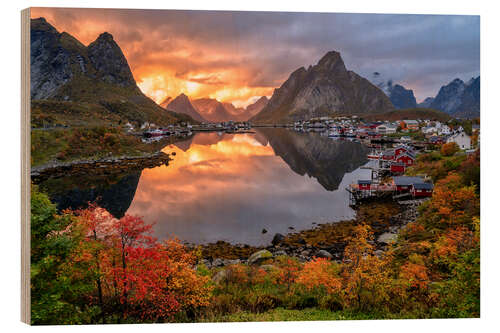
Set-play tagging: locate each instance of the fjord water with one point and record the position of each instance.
(232, 186)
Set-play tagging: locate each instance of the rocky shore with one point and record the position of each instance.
(302, 245)
(109, 165)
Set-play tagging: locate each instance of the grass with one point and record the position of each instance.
(308, 314)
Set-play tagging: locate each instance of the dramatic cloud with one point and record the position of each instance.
(236, 56)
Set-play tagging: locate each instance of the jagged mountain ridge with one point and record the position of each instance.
(401, 97)
(426, 102)
(182, 104)
(325, 89)
(214, 111)
(96, 77)
(459, 99)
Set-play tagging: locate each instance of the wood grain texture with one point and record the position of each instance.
(25, 167)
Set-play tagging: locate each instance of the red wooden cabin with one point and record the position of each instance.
(397, 167)
(406, 159)
(421, 190)
(388, 155)
(405, 183)
(400, 150)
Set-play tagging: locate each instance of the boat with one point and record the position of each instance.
(153, 133)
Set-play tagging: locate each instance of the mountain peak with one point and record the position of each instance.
(105, 36)
(41, 24)
(182, 104)
(108, 58)
(331, 61)
(401, 97)
(323, 90)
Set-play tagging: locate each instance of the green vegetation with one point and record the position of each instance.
(110, 110)
(69, 144)
(281, 314)
(415, 135)
(413, 113)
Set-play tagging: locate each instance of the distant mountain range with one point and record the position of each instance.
(401, 97)
(94, 82)
(459, 99)
(76, 84)
(325, 89)
(209, 109)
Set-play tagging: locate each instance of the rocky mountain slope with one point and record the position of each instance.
(182, 104)
(401, 97)
(426, 103)
(212, 110)
(94, 79)
(256, 107)
(325, 89)
(459, 99)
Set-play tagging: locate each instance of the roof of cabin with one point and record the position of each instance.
(406, 180)
(423, 186)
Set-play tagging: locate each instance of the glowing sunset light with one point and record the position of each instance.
(239, 56)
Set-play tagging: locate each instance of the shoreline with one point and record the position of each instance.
(326, 240)
(109, 165)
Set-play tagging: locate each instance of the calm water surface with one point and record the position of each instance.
(231, 187)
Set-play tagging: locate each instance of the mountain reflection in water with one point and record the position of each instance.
(231, 187)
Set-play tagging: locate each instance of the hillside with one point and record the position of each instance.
(325, 89)
(94, 80)
(413, 113)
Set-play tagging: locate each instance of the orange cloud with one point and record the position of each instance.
(165, 61)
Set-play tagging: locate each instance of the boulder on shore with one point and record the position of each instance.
(387, 238)
(278, 238)
(220, 276)
(324, 254)
(259, 257)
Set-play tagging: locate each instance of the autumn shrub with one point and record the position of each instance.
(320, 274)
(471, 171)
(449, 149)
(288, 271)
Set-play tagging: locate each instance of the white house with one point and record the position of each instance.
(444, 130)
(461, 139)
(429, 130)
(386, 129)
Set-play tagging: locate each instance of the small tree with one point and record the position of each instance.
(449, 149)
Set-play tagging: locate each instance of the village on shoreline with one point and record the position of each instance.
(395, 146)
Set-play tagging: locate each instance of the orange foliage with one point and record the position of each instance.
(449, 149)
(288, 272)
(415, 274)
(148, 279)
(455, 241)
(452, 204)
(319, 273)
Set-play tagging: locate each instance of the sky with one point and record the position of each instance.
(239, 56)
